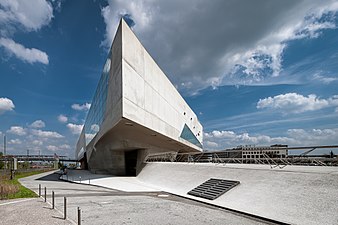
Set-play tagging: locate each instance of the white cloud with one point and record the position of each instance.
(244, 44)
(62, 118)
(38, 124)
(75, 128)
(37, 142)
(222, 134)
(30, 55)
(230, 139)
(210, 144)
(15, 142)
(315, 136)
(293, 137)
(20, 15)
(46, 134)
(58, 148)
(65, 146)
(141, 11)
(296, 103)
(52, 148)
(323, 79)
(83, 107)
(25, 14)
(17, 130)
(6, 105)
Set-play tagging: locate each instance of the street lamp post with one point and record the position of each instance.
(4, 144)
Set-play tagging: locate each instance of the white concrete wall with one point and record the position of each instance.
(113, 111)
(139, 91)
(149, 98)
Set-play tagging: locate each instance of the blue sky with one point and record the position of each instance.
(256, 72)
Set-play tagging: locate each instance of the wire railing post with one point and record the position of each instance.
(64, 207)
(78, 216)
(53, 202)
(45, 194)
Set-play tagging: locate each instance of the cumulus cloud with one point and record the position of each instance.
(6, 105)
(210, 144)
(37, 142)
(294, 137)
(314, 136)
(296, 103)
(38, 124)
(46, 134)
(52, 148)
(15, 141)
(83, 107)
(25, 14)
(62, 118)
(17, 130)
(235, 42)
(65, 146)
(58, 148)
(75, 128)
(18, 15)
(30, 55)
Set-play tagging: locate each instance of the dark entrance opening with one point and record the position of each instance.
(83, 161)
(131, 161)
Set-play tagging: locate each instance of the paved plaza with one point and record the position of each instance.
(101, 205)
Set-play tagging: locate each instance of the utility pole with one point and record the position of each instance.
(4, 144)
(5, 150)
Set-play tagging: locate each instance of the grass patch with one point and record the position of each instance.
(13, 189)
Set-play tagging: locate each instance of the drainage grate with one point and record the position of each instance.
(213, 188)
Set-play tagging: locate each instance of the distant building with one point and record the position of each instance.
(135, 111)
(257, 152)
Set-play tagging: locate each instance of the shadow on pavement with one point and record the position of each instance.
(51, 177)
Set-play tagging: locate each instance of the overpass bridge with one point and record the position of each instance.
(48, 158)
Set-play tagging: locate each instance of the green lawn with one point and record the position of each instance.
(22, 192)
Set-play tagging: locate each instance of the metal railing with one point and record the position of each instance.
(224, 158)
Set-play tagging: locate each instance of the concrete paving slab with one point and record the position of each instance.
(29, 211)
(106, 206)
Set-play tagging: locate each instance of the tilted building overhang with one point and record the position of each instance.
(135, 111)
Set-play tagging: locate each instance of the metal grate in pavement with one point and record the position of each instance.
(213, 188)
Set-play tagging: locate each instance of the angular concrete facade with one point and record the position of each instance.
(135, 111)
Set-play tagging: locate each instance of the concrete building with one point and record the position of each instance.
(257, 152)
(135, 111)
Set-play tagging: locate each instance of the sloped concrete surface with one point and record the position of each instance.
(107, 206)
(294, 194)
